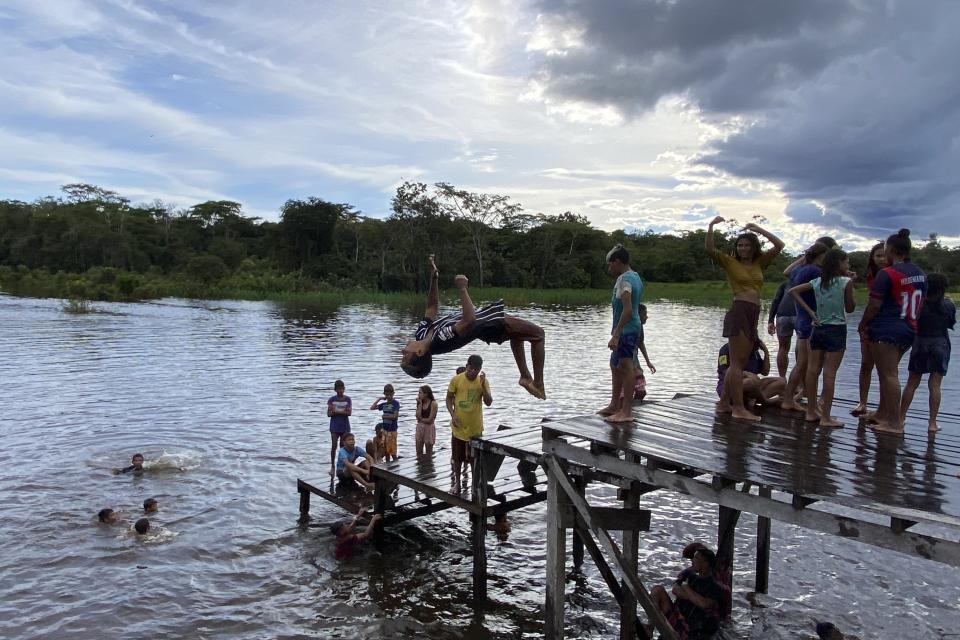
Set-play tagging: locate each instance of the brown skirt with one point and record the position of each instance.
(741, 319)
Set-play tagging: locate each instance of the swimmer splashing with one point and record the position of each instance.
(489, 323)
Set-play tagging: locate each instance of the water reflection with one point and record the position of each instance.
(241, 387)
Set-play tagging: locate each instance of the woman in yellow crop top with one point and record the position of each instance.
(744, 271)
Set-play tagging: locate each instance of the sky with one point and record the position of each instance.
(819, 116)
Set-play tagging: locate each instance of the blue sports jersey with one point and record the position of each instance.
(900, 288)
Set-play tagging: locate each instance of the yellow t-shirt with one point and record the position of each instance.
(468, 404)
(743, 277)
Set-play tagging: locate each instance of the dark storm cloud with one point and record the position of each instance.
(852, 104)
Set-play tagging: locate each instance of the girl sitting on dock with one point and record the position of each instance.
(828, 342)
(744, 271)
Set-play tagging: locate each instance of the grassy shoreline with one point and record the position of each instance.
(75, 287)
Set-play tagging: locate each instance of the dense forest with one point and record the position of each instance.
(90, 242)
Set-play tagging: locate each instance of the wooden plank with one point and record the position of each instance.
(560, 482)
(631, 542)
(553, 624)
(928, 547)
(762, 579)
(479, 529)
(304, 502)
(427, 489)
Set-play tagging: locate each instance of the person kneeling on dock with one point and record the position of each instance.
(348, 469)
(347, 540)
(696, 613)
(489, 323)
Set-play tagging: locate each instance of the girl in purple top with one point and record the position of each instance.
(339, 408)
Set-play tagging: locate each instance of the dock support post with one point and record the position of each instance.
(726, 531)
(304, 504)
(761, 582)
(479, 529)
(556, 559)
(631, 543)
(581, 486)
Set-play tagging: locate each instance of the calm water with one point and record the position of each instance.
(229, 400)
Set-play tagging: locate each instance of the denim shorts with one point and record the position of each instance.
(895, 333)
(829, 337)
(626, 348)
(930, 355)
(785, 326)
(804, 327)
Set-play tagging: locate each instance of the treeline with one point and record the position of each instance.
(92, 242)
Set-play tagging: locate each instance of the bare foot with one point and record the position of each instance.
(858, 410)
(869, 417)
(619, 417)
(724, 407)
(933, 427)
(608, 410)
(830, 421)
(531, 388)
(790, 406)
(542, 388)
(886, 427)
(812, 417)
(743, 414)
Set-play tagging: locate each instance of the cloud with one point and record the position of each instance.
(850, 105)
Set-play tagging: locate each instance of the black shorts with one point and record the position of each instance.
(741, 320)
(460, 450)
(829, 337)
(930, 355)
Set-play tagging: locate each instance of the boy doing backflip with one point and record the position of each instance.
(489, 323)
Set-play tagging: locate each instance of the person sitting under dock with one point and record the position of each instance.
(696, 613)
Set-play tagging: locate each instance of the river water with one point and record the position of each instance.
(227, 400)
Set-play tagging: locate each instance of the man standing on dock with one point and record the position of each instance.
(625, 337)
(489, 323)
(464, 395)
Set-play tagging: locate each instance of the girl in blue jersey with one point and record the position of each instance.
(931, 348)
(828, 341)
(890, 323)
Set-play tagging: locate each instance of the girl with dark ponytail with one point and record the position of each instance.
(890, 324)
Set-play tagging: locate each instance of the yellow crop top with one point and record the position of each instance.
(740, 276)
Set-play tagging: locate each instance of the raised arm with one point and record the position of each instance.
(376, 403)
(793, 266)
(708, 240)
(774, 240)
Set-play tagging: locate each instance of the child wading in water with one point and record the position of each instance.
(427, 408)
(931, 347)
(828, 342)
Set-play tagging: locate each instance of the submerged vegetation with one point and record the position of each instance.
(92, 244)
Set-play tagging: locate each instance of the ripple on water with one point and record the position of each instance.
(235, 394)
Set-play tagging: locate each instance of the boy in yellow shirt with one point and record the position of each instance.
(463, 402)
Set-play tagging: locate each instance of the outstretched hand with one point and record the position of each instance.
(716, 220)
(461, 281)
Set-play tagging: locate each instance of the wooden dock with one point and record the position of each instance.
(896, 492)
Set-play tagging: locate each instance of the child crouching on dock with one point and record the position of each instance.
(348, 469)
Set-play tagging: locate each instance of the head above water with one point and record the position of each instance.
(142, 526)
(474, 365)
(898, 246)
(150, 505)
(137, 461)
(108, 516)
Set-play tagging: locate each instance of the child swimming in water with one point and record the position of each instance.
(136, 466)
